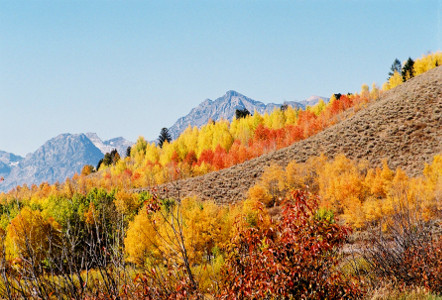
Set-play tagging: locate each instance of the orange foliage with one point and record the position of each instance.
(359, 194)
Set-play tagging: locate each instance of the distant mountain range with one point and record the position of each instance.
(118, 143)
(63, 156)
(59, 158)
(224, 108)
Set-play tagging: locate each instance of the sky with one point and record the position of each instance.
(129, 68)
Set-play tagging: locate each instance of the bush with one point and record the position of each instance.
(410, 258)
(296, 259)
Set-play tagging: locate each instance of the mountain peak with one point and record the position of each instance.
(118, 143)
(223, 107)
(60, 157)
(232, 93)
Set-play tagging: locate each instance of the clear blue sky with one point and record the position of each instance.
(129, 68)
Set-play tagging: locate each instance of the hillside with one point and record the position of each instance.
(404, 127)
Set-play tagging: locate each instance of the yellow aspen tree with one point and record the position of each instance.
(29, 236)
(222, 136)
(365, 91)
(205, 138)
(291, 115)
(318, 107)
(277, 119)
(427, 62)
(374, 93)
(393, 81)
(141, 239)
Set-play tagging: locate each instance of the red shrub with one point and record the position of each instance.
(297, 259)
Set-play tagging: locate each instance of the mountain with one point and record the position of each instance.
(7, 162)
(57, 159)
(312, 100)
(224, 108)
(403, 127)
(118, 143)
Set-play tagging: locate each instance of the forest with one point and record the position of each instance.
(326, 228)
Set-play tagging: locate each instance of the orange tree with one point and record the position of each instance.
(294, 260)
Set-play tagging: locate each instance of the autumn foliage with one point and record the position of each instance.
(362, 196)
(94, 237)
(295, 260)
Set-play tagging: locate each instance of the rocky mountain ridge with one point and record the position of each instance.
(118, 143)
(225, 106)
(57, 159)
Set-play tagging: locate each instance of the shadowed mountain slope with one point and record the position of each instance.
(404, 127)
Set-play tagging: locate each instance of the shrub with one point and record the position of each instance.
(296, 259)
(411, 257)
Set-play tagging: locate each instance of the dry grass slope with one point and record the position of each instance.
(404, 127)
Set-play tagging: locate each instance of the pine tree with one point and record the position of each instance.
(164, 136)
(242, 113)
(408, 70)
(395, 67)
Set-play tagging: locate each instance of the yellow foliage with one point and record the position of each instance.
(141, 239)
(126, 202)
(276, 119)
(222, 136)
(341, 184)
(291, 115)
(427, 62)
(358, 194)
(29, 236)
(379, 181)
(304, 176)
(261, 194)
(202, 227)
(393, 81)
(374, 93)
(156, 236)
(273, 180)
(365, 91)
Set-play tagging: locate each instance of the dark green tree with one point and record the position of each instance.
(128, 151)
(164, 136)
(242, 113)
(408, 70)
(395, 67)
(99, 164)
(109, 159)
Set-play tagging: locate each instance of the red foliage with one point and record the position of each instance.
(206, 156)
(136, 176)
(296, 260)
(218, 158)
(412, 259)
(175, 157)
(190, 158)
(423, 264)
